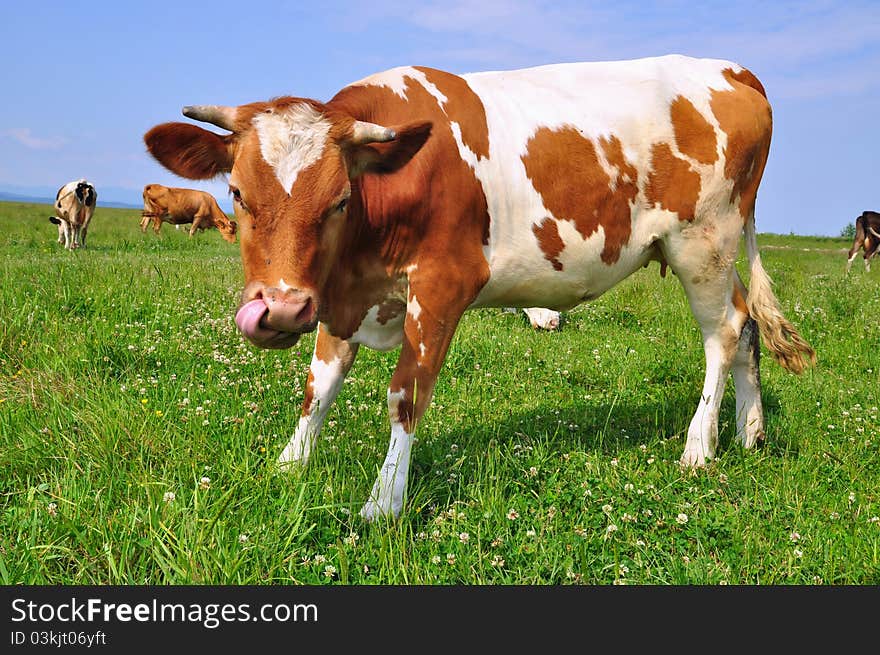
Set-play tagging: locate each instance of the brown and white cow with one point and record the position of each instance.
(180, 206)
(380, 216)
(75, 205)
(867, 237)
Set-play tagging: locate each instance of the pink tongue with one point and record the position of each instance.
(248, 317)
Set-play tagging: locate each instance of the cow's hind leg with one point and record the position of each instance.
(60, 223)
(705, 266)
(747, 375)
(331, 362)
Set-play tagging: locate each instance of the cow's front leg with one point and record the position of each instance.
(427, 335)
(197, 221)
(331, 362)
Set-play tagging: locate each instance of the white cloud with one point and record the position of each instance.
(24, 136)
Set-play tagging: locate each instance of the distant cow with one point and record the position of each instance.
(180, 206)
(379, 217)
(867, 237)
(74, 207)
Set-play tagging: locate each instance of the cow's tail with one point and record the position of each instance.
(861, 237)
(779, 336)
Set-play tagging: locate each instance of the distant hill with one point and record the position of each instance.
(49, 200)
(108, 196)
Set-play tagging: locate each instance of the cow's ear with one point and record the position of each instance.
(190, 151)
(391, 155)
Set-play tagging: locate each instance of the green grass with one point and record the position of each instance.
(123, 380)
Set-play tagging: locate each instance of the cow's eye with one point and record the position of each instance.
(236, 197)
(342, 204)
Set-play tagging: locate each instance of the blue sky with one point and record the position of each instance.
(82, 82)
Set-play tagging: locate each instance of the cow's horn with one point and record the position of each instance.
(215, 114)
(363, 133)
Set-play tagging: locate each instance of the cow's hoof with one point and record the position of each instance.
(371, 511)
(695, 456)
(290, 465)
(750, 438)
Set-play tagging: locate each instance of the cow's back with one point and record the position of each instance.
(584, 166)
(591, 163)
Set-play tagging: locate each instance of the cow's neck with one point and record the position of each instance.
(372, 263)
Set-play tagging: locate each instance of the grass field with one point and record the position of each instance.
(138, 432)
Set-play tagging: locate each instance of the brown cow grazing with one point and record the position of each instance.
(380, 216)
(180, 206)
(75, 205)
(867, 237)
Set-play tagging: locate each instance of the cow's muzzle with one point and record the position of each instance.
(275, 318)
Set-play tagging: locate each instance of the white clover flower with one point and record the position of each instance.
(243, 538)
(606, 508)
(450, 558)
(435, 559)
(795, 537)
(531, 533)
(169, 497)
(682, 518)
(497, 561)
(512, 514)
(329, 571)
(205, 483)
(798, 553)
(352, 539)
(52, 508)
(464, 537)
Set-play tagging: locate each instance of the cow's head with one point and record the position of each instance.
(290, 164)
(226, 227)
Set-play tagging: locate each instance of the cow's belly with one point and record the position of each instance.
(522, 275)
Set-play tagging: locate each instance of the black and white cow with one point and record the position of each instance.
(74, 207)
